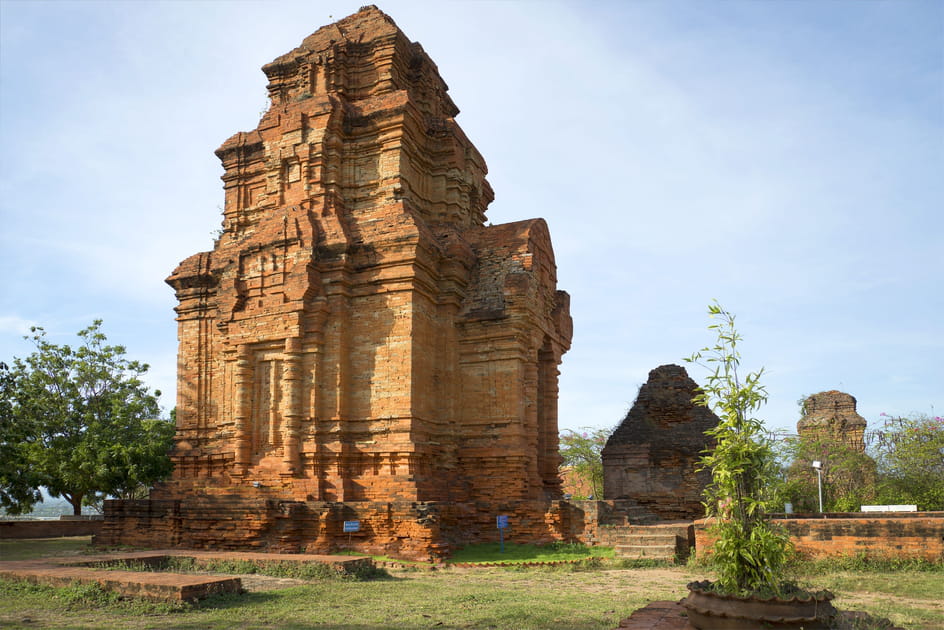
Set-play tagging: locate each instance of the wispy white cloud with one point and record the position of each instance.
(15, 324)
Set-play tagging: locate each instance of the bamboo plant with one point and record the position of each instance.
(749, 553)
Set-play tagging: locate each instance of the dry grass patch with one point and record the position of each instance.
(33, 548)
(566, 597)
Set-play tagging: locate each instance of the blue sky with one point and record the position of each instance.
(783, 157)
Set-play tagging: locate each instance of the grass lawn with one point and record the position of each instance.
(518, 554)
(30, 548)
(499, 598)
(913, 599)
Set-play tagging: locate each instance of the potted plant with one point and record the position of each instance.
(749, 554)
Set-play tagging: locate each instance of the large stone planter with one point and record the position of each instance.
(710, 611)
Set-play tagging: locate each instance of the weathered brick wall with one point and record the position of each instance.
(919, 535)
(325, 341)
(417, 530)
(654, 454)
(409, 530)
(49, 529)
(832, 415)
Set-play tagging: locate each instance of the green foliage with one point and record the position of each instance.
(749, 554)
(80, 422)
(76, 595)
(85, 597)
(865, 563)
(910, 456)
(582, 453)
(903, 464)
(87, 594)
(848, 476)
(19, 489)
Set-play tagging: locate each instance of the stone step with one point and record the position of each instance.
(644, 539)
(630, 522)
(663, 541)
(669, 529)
(646, 552)
(626, 512)
(637, 516)
(630, 546)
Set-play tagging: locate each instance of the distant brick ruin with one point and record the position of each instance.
(653, 454)
(359, 345)
(832, 415)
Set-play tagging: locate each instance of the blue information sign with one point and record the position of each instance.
(352, 526)
(502, 522)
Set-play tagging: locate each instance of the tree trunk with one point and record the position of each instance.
(76, 502)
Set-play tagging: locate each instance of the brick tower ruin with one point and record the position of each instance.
(359, 345)
(653, 455)
(832, 416)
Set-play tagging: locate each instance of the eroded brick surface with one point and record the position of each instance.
(832, 415)
(49, 529)
(358, 336)
(920, 535)
(653, 455)
(662, 615)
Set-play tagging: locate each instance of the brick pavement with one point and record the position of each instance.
(657, 616)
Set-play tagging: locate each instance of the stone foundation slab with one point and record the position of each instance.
(158, 586)
(148, 585)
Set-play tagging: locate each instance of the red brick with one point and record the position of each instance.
(359, 335)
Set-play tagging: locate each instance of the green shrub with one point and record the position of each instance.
(750, 553)
(910, 455)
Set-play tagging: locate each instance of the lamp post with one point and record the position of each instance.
(818, 466)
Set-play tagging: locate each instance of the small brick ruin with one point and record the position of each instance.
(359, 344)
(832, 415)
(653, 454)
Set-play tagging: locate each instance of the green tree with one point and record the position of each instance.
(81, 423)
(848, 476)
(910, 456)
(582, 454)
(749, 553)
(18, 488)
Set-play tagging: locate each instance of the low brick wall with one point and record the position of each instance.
(410, 530)
(50, 529)
(918, 535)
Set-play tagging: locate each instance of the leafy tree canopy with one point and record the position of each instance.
(910, 456)
(79, 422)
(903, 464)
(582, 454)
(848, 475)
